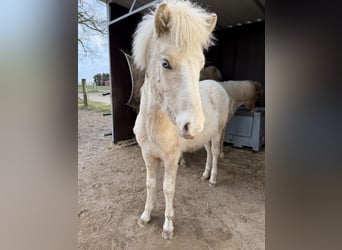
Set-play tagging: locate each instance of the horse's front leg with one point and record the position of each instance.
(152, 165)
(169, 184)
(208, 164)
(215, 150)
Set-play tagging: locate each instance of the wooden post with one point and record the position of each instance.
(84, 89)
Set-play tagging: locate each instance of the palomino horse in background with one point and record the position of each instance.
(244, 93)
(176, 113)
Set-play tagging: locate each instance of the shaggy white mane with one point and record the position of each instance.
(188, 29)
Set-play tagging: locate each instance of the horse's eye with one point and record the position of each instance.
(166, 64)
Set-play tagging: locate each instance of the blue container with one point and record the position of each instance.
(247, 129)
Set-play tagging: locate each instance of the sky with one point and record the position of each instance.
(98, 61)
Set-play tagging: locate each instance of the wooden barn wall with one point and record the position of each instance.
(120, 38)
(240, 54)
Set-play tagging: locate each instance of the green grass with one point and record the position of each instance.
(97, 89)
(96, 106)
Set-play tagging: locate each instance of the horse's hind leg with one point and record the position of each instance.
(215, 150)
(182, 161)
(222, 142)
(171, 166)
(208, 163)
(230, 116)
(152, 165)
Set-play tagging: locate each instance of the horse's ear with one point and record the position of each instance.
(212, 21)
(162, 18)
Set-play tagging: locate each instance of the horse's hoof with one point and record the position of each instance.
(203, 178)
(142, 223)
(212, 184)
(183, 164)
(167, 235)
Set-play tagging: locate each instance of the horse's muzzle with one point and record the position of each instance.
(186, 134)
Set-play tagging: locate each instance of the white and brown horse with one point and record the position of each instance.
(176, 113)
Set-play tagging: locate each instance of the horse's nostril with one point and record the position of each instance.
(186, 127)
(186, 132)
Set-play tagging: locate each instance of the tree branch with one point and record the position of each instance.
(89, 23)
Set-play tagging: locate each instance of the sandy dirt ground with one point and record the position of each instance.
(230, 215)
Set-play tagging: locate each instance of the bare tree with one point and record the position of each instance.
(89, 25)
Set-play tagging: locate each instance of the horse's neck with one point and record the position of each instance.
(154, 116)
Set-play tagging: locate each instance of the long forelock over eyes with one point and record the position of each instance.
(188, 31)
(189, 27)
